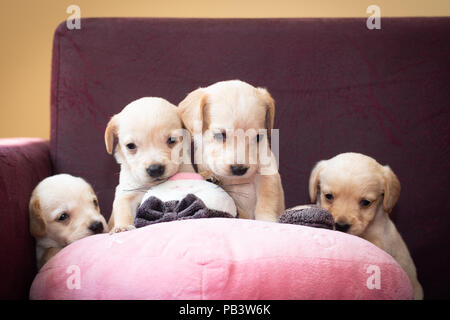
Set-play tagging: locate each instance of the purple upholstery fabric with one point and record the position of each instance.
(23, 163)
(338, 87)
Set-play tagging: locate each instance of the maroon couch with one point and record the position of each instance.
(338, 87)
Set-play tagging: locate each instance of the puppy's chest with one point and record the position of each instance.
(244, 196)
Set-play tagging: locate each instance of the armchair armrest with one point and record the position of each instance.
(23, 163)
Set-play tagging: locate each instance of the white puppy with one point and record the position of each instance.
(148, 133)
(360, 193)
(63, 209)
(231, 122)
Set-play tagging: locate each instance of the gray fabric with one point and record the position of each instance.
(153, 210)
(311, 216)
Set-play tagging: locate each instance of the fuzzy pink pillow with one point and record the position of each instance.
(220, 258)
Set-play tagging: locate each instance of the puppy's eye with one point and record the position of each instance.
(63, 217)
(171, 140)
(131, 146)
(95, 202)
(329, 196)
(220, 136)
(364, 203)
(259, 137)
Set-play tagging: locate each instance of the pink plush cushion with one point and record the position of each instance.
(222, 259)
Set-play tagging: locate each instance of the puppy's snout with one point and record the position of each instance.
(238, 170)
(342, 226)
(96, 227)
(156, 170)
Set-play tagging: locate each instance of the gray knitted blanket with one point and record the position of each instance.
(153, 210)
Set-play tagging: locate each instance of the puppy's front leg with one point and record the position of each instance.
(269, 197)
(122, 214)
(242, 214)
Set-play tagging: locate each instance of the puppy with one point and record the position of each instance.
(148, 133)
(220, 114)
(360, 193)
(63, 209)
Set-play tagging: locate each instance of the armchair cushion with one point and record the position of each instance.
(220, 258)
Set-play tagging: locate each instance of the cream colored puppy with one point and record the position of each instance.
(231, 123)
(148, 132)
(360, 193)
(63, 209)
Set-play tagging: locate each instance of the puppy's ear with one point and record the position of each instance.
(270, 111)
(314, 180)
(38, 226)
(110, 134)
(191, 111)
(392, 189)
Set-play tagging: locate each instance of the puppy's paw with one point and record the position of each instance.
(117, 229)
(209, 176)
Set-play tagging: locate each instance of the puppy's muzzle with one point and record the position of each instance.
(238, 170)
(342, 226)
(155, 170)
(96, 227)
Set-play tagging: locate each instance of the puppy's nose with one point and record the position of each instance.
(155, 170)
(239, 170)
(342, 226)
(96, 227)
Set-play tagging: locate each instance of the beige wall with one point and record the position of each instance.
(26, 30)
